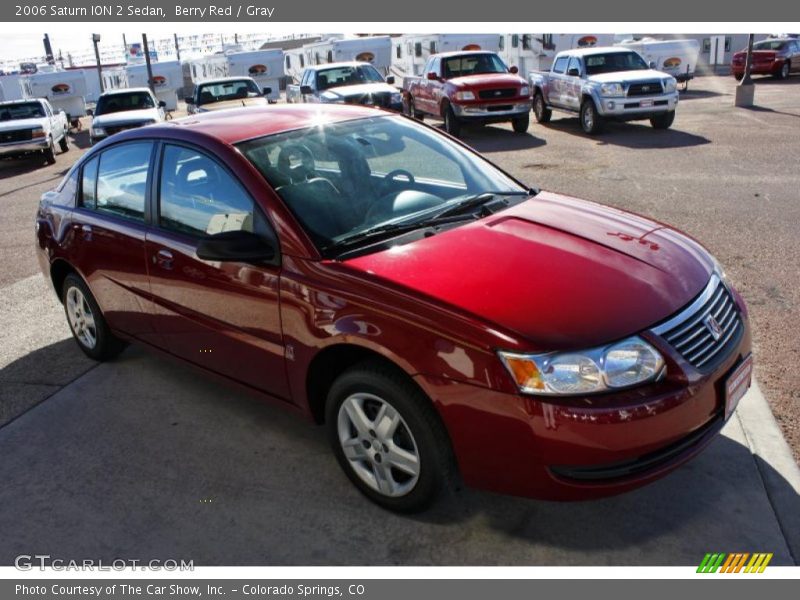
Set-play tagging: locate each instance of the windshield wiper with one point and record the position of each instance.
(471, 202)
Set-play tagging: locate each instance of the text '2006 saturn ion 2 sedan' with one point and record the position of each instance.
(446, 323)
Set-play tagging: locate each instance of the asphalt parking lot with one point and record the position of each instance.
(140, 458)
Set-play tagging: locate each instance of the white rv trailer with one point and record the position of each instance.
(376, 50)
(66, 90)
(167, 80)
(11, 87)
(115, 78)
(527, 51)
(208, 66)
(294, 62)
(676, 57)
(410, 52)
(265, 67)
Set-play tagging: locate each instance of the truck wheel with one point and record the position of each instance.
(451, 123)
(540, 110)
(388, 439)
(63, 144)
(520, 124)
(663, 121)
(50, 154)
(408, 107)
(591, 122)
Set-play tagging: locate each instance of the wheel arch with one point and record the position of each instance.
(59, 269)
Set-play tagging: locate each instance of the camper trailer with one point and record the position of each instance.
(294, 63)
(10, 87)
(66, 90)
(376, 50)
(676, 57)
(114, 78)
(527, 51)
(410, 52)
(207, 67)
(167, 80)
(265, 67)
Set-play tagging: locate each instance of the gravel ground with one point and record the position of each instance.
(728, 176)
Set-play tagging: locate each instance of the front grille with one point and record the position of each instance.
(639, 105)
(645, 88)
(118, 128)
(497, 93)
(381, 99)
(19, 135)
(498, 108)
(705, 333)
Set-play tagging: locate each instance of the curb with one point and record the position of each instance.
(775, 463)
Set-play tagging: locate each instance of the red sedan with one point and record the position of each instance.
(443, 320)
(779, 57)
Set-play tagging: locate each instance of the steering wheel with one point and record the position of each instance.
(389, 180)
(299, 172)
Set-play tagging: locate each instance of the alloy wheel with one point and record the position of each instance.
(81, 319)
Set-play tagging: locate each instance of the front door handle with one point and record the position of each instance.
(163, 258)
(86, 232)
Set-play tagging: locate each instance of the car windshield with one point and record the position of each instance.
(770, 45)
(222, 91)
(123, 102)
(472, 64)
(23, 110)
(349, 75)
(614, 62)
(344, 179)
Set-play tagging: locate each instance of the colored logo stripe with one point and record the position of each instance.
(733, 563)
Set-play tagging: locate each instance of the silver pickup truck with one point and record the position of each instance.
(32, 125)
(347, 83)
(604, 84)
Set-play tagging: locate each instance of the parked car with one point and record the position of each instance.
(603, 84)
(779, 57)
(32, 126)
(228, 92)
(469, 87)
(441, 318)
(346, 83)
(120, 110)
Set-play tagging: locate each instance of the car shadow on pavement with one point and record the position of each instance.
(80, 138)
(693, 94)
(488, 139)
(631, 135)
(764, 109)
(11, 167)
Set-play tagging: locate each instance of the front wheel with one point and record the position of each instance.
(521, 124)
(591, 122)
(388, 438)
(50, 154)
(540, 110)
(663, 121)
(89, 327)
(64, 144)
(451, 123)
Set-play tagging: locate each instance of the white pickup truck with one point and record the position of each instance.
(604, 84)
(346, 83)
(32, 125)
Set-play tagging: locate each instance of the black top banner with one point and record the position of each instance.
(359, 11)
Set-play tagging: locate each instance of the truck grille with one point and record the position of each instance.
(645, 88)
(497, 93)
(381, 99)
(703, 335)
(118, 128)
(19, 135)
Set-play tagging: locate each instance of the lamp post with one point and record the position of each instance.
(96, 41)
(745, 91)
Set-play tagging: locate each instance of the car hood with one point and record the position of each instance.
(346, 91)
(15, 124)
(561, 273)
(487, 80)
(126, 116)
(259, 101)
(629, 76)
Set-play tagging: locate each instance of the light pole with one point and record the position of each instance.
(745, 91)
(96, 41)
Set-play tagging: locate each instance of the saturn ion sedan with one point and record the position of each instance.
(445, 322)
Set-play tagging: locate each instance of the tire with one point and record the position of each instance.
(591, 122)
(451, 123)
(541, 113)
(663, 121)
(86, 321)
(521, 124)
(739, 77)
(380, 398)
(63, 144)
(785, 72)
(50, 154)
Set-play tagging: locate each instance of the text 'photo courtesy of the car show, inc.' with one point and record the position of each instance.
(378, 301)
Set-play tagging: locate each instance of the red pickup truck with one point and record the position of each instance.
(468, 87)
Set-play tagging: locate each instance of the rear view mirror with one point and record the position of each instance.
(433, 76)
(267, 91)
(390, 80)
(189, 100)
(513, 69)
(306, 89)
(235, 246)
(574, 72)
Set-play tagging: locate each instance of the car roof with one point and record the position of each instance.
(126, 91)
(21, 101)
(335, 65)
(223, 80)
(238, 124)
(462, 53)
(596, 50)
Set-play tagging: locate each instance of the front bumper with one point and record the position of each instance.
(632, 108)
(494, 111)
(15, 148)
(588, 447)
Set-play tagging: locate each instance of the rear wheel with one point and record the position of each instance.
(451, 123)
(521, 124)
(388, 438)
(663, 121)
(591, 122)
(89, 327)
(50, 154)
(540, 110)
(63, 144)
(786, 70)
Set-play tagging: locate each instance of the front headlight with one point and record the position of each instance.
(612, 89)
(524, 91)
(98, 131)
(465, 95)
(670, 85)
(621, 365)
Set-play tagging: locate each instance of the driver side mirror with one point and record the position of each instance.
(189, 100)
(652, 64)
(235, 246)
(432, 76)
(89, 112)
(162, 104)
(513, 69)
(390, 80)
(574, 72)
(266, 91)
(306, 89)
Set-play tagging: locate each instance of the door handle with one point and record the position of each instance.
(86, 231)
(163, 258)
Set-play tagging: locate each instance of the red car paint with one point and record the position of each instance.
(769, 62)
(552, 273)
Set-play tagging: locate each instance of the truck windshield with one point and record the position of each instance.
(344, 179)
(350, 75)
(222, 91)
(123, 102)
(472, 64)
(614, 62)
(23, 110)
